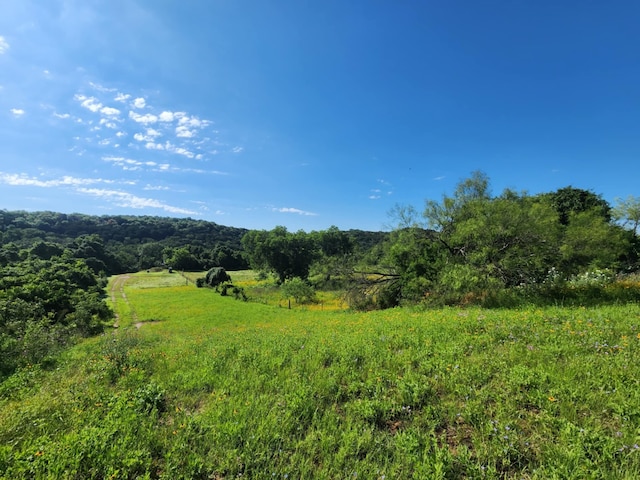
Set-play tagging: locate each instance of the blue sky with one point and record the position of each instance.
(310, 114)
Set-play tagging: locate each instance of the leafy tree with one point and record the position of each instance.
(335, 253)
(300, 290)
(570, 200)
(590, 242)
(285, 254)
(183, 259)
(627, 212)
(216, 276)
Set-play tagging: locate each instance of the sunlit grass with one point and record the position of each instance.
(219, 388)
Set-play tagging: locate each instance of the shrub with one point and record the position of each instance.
(299, 290)
(216, 276)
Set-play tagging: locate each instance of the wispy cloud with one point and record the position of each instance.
(130, 164)
(23, 180)
(294, 210)
(128, 200)
(17, 112)
(4, 45)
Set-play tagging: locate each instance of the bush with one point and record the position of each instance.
(299, 290)
(216, 276)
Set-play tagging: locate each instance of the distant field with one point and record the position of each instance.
(265, 292)
(211, 387)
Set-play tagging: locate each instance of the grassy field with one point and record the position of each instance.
(195, 385)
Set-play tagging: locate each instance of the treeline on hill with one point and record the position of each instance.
(120, 244)
(54, 267)
(129, 243)
(569, 246)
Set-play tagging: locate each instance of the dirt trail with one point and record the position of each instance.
(118, 287)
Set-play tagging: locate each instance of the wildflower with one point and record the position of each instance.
(39, 453)
(552, 399)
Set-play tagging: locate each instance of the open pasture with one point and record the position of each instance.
(212, 387)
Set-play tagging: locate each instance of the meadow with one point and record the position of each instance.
(195, 385)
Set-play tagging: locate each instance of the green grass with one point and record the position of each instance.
(218, 388)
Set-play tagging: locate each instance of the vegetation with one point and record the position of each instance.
(208, 387)
(472, 247)
(48, 298)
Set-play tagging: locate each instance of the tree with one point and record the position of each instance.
(298, 289)
(285, 254)
(569, 200)
(216, 276)
(627, 212)
(183, 259)
(590, 242)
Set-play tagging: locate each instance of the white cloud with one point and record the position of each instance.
(151, 134)
(61, 115)
(129, 164)
(294, 210)
(110, 111)
(237, 149)
(188, 121)
(154, 146)
(184, 132)
(166, 117)
(125, 199)
(121, 134)
(90, 103)
(101, 88)
(139, 102)
(23, 180)
(4, 45)
(108, 123)
(156, 187)
(18, 112)
(144, 119)
(121, 97)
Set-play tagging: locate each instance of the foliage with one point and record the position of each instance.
(125, 243)
(285, 254)
(298, 289)
(570, 201)
(472, 247)
(246, 390)
(45, 303)
(216, 276)
(627, 212)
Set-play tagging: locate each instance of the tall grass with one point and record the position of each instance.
(216, 388)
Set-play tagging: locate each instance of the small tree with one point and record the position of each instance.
(216, 276)
(299, 290)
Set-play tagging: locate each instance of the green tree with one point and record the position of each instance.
(627, 212)
(570, 200)
(285, 254)
(183, 259)
(591, 242)
(216, 276)
(300, 290)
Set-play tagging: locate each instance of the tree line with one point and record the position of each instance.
(471, 246)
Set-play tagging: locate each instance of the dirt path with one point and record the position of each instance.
(117, 287)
